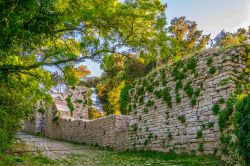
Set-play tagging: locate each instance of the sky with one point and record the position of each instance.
(212, 16)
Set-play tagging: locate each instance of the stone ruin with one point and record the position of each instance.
(178, 122)
(79, 99)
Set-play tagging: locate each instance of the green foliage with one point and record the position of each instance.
(178, 86)
(158, 94)
(134, 127)
(41, 110)
(145, 110)
(188, 38)
(199, 134)
(242, 121)
(221, 100)
(176, 71)
(216, 109)
(55, 119)
(156, 83)
(140, 91)
(124, 99)
(170, 136)
(201, 147)
(70, 105)
(189, 90)
(210, 61)
(191, 64)
(212, 70)
(167, 97)
(225, 139)
(193, 101)
(150, 88)
(178, 98)
(150, 103)
(223, 117)
(210, 124)
(150, 136)
(141, 100)
(197, 92)
(182, 118)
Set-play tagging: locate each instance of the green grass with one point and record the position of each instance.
(17, 155)
(109, 158)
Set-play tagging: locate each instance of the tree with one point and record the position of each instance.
(186, 38)
(226, 39)
(39, 34)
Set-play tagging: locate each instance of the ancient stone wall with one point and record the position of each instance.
(34, 124)
(110, 131)
(173, 108)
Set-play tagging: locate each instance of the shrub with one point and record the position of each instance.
(150, 103)
(158, 94)
(189, 90)
(210, 124)
(199, 134)
(209, 61)
(216, 109)
(145, 110)
(243, 130)
(156, 83)
(197, 92)
(170, 136)
(191, 63)
(55, 119)
(223, 117)
(140, 91)
(212, 70)
(178, 86)
(221, 100)
(182, 118)
(124, 99)
(41, 110)
(150, 88)
(134, 127)
(193, 102)
(166, 97)
(141, 100)
(178, 98)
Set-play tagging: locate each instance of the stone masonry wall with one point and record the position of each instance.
(35, 124)
(172, 108)
(110, 131)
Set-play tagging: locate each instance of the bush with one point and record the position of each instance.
(191, 63)
(166, 97)
(212, 70)
(199, 134)
(124, 99)
(242, 121)
(216, 109)
(182, 118)
(41, 110)
(189, 90)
